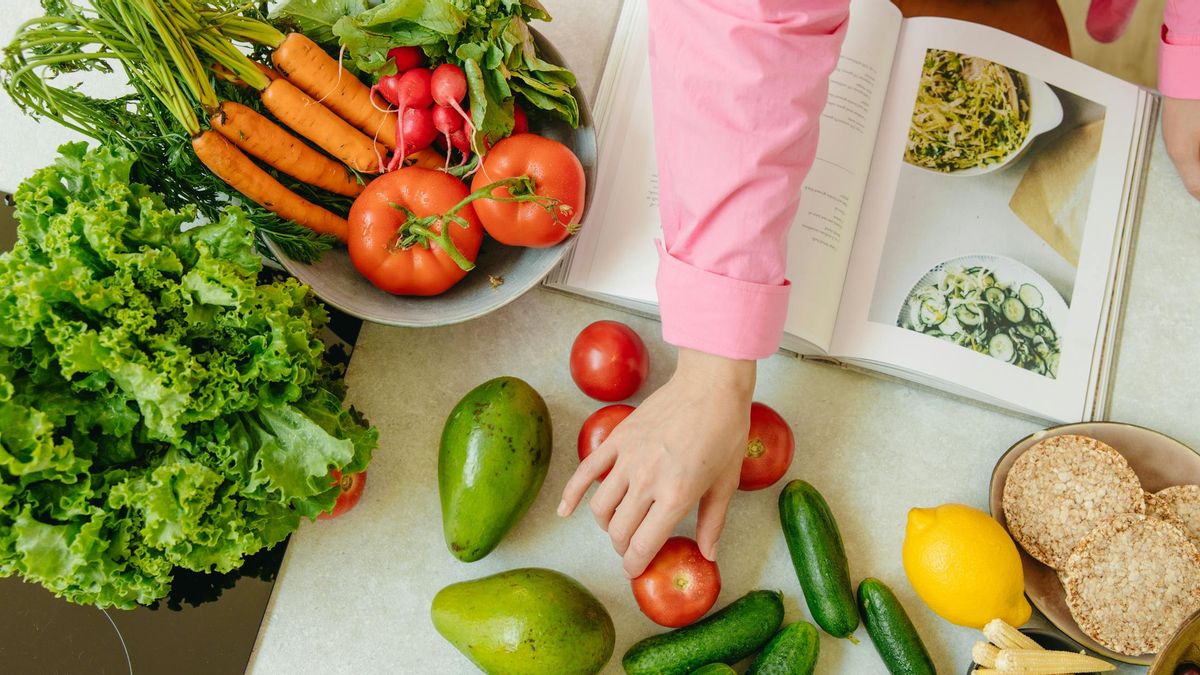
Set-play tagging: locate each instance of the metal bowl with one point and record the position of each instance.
(1184, 648)
(335, 280)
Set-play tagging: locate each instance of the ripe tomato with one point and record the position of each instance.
(390, 251)
(769, 449)
(679, 586)
(556, 174)
(609, 361)
(352, 488)
(597, 427)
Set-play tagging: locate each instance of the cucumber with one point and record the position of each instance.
(892, 631)
(715, 669)
(819, 558)
(728, 636)
(1014, 310)
(793, 651)
(1030, 295)
(1002, 347)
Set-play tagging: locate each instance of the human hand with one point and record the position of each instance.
(682, 445)
(1181, 133)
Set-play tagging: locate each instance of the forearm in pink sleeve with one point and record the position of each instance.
(739, 86)
(1179, 52)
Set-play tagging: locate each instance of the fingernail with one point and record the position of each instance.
(562, 508)
(627, 574)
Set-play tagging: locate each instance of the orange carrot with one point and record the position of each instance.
(322, 126)
(266, 70)
(320, 76)
(267, 141)
(242, 174)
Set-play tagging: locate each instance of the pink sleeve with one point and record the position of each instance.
(738, 88)
(1179, 53)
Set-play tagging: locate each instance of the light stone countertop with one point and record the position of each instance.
(354, 594)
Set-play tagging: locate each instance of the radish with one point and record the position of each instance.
(417, 130)
(406, 58)
(449, 87)
(446, 121)
(520, 121)
(412, 92)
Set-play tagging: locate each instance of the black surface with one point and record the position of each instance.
(207, 625)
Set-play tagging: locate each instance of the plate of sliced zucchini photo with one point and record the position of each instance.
(992, 305)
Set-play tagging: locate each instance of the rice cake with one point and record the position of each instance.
(1179, 504)
(1062, 488)
(1132, 582)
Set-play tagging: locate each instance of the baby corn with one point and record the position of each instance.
(1005, 636)
(1042, 662)
(985, 654)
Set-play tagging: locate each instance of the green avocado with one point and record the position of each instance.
(494, 454)
(531, 621)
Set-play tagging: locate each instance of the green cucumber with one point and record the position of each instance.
(891, 630)
(715, 669)
(793, 651)
(728, 636)
(819, 558)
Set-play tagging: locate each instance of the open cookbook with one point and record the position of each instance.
(966, 225)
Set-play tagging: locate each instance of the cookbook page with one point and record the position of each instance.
(615, 256)
(986, 262)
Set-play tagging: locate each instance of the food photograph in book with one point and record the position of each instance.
(984, 238)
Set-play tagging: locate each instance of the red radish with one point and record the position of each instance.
(460, 141)
(446, 121)
(412, 92)
(417, 130)
(406, 58)
(520, 121)
(388, 87)
(449, 87)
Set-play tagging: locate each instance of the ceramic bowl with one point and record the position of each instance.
(1158, 460)
(334, 279)
(1045, 114)
(1184, 648)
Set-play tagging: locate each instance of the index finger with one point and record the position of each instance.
(590, 469)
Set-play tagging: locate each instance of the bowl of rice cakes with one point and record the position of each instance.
(1107, 520)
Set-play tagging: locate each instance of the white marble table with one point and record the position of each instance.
(354, 594)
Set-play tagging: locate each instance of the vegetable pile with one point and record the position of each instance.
(489, 40)
(186, 69)
(159, 407)
(970, 112)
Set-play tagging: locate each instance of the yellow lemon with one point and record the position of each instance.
(964, 566)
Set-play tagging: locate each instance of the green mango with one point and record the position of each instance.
(494, 454)
(531, 621)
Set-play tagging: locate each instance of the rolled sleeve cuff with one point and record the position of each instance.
(1178, 69)
(717, 314)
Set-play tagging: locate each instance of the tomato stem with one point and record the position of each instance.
(416, 231)
(522, 189)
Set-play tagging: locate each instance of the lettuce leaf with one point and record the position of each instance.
(160, 408)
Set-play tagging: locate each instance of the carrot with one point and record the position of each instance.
(241, 173)
(266, 70)
(322, 126)
(268, 141)
(319, 75)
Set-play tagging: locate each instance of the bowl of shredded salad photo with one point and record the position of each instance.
(973, 116)
(992, 305)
